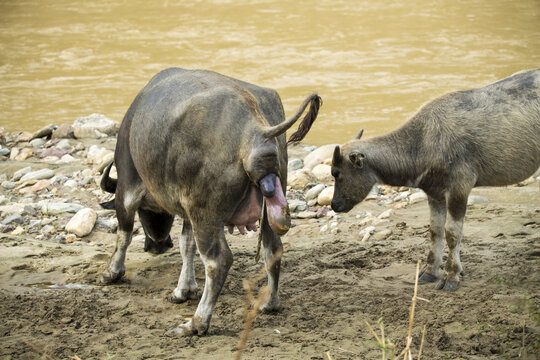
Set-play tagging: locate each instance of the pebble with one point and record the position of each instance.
(367, 232)
(476, 199)
(37, 143)
(297, 205)
(8, 185)
(71, 183)
(4, 152)
(314, 192)
(323, 172)
(38, 175)
(299, 179)
(294, 164)
(82, 223)
(108, 225)
(18, 231)
(20, 173)
(15, 218)
(385, 214)
(53, 208)
(306, 214)
(381, 235)
(417, 197)
(326, 196)
(318, 156)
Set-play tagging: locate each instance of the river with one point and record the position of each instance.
(374, 63)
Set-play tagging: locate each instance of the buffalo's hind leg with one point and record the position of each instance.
(217, 259)
(157, 227)
(125, 213)
(187, 285)
(273, 249)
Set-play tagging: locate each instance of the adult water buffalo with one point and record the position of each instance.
(211, 149)
(488, 136)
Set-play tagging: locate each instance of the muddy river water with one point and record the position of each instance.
(373, 62)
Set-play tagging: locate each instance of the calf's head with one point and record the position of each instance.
(353, 175)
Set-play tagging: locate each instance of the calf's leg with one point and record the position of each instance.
(217, 259)
(457, 207)
(187, 285)
(431, 271)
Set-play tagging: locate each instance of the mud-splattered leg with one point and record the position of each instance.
(217, 259)
(457, 207)
(125, 212)
(431, 270)
(187, 285)
(273, 250)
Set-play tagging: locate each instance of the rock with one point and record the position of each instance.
(385, 214)
(25, 136)
(71, 183)
(108, 225)
(367, 220)
(300, 178)
(53, 151)
(15, 218)
(98, 155)
(104, 161)
(66, 159)
(318, 156)
(4, 152)
(63, 131)
(82, 223)
(20, 173)
(38, 143)
(53, 208)
(38, 175)
(14, 152)
(322, 212)
(373, 193)
(323, 172)
(367, 232)
(325, 197)
(8, 185)
(30, 210)
(314, 192)
(324, 228)
(297, 205)
(306, 215)
(44, 132)
(40, 185)
(312, 202)
(70, 238)
(381, 235)
(16, 208)
(18, 231)
(95, 126)
(64, 144)
(23, 154)
(295, 164)
(48, 229)
(6, 228)
(476, 199)
(417, 197)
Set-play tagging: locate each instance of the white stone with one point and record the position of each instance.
(66, 159)
(71, 183)
(64, 144)
(314, 192)
(385, 214)
(297, 205)
(20, 173)
(476, 199)
(82, 223)
(295, 164)
(417, 197)
(383, 234)
(324, 228)
(298, 179)
(319, 156)
(326, 196)
(53, 208)
(307, 215)
(16, 208)
(95, 126)
(323, 172)
(38, 175)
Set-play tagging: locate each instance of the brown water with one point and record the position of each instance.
(373, 62)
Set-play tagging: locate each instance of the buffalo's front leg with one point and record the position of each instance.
(431, 271)
(217, 259)
(187, 285)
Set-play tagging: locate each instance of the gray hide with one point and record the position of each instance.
(208, 148)
(488, 136)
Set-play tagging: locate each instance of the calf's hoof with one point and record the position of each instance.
(178, 297)
(187, 329)
(270, 307)
(109, 277)
(447, 285)
(155, 247)
(427, 278)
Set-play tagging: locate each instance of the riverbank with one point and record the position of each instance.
(338, 271)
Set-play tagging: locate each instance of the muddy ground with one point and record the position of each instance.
(331, 284)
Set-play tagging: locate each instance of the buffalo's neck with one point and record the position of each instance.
(394, 157)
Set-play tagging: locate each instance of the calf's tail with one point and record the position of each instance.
(107, 183)
(315, 103)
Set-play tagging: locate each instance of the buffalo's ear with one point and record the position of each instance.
(357, 159)
(336, 160)
(359, 134)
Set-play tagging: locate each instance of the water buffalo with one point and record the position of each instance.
(212, 150)
(488, 136)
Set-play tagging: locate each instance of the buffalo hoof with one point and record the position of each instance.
(447, 285)
(270, 307)
(427, 278)
(109, 277)
(157, 247)
(184, 296)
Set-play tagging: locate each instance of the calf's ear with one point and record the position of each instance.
(357, 159)
(359, 134)
(336, 160)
